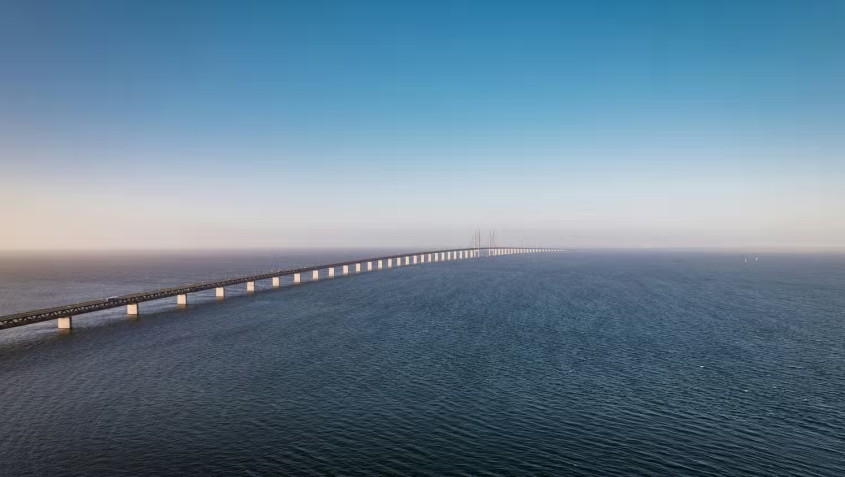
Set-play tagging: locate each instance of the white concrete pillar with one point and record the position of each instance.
(182, 299)
(276, 282)
(250, 287)
(65, 323)
(398, 261)
(357, 268)
(407, 260)
(346, 269)
(429, 258)
(296, 278)
(331, 272)
(379, 265)
(315, 275)
(132, 309)
(436, 257)
(220, 292)
(415, 259)
(389, 262)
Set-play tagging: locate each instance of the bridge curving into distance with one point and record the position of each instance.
(64, 314)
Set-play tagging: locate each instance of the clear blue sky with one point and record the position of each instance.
(256, 124)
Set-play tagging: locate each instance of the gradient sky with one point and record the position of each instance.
(163, 124)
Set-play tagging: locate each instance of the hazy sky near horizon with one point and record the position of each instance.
(163, 124)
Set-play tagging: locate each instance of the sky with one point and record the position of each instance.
(589, 124)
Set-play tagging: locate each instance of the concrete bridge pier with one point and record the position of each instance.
(296, 278)
(132, 309)
(331, 272)
(357, 268)
(182, 300)
(398, 261)
(276, 282)
(379, 265)
(369, 266)
(389, 263)
(220, 292)
(65, 323)
(346, 269)
(250, 287)
(315, 275)
(415, 259)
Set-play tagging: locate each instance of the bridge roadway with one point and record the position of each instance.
(64, 312)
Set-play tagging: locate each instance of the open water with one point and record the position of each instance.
(579, 363)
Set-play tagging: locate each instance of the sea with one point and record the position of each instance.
(583, 362)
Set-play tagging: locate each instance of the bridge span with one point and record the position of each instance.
(64, 314)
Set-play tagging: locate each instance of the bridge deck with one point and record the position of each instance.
(36, 316)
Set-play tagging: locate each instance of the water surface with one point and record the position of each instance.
(581, 363)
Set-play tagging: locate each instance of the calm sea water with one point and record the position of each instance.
(581, 363)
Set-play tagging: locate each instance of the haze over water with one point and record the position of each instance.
(581, 363)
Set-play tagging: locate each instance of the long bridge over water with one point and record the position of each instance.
(64, 314)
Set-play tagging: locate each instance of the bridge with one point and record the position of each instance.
(64, 314)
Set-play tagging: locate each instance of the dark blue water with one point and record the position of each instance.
(581, 363)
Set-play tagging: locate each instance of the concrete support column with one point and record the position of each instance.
(132, 309)
(296, 278)
(436, 257)
(346, 269)
(398, 261)
(220, 292)
(415, 259)
(315, 275)
(369, 266)
(429, 258)
(331, 272)
(250, 287)
(65, 323)
(182, 299)
(407, 260)
(379, 265)
(276, 282)
(389, 262)
(357, 268)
